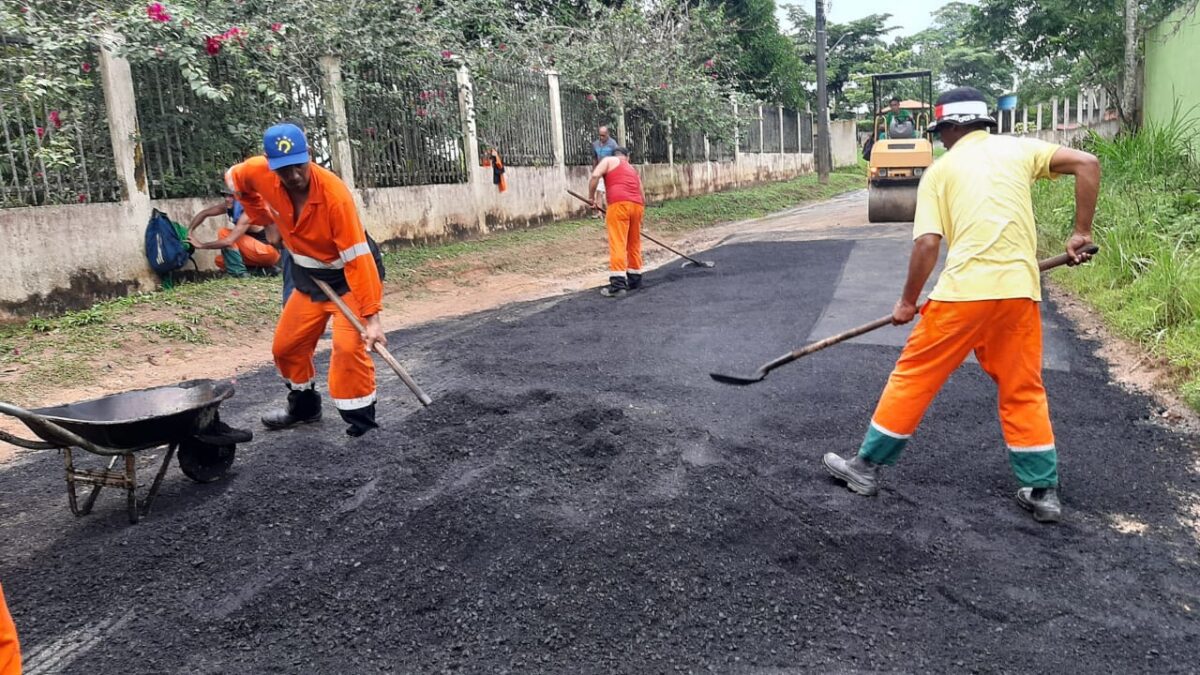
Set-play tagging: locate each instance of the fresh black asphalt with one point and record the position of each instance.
(582, 498)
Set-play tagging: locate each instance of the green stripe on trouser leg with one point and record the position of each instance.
(1035, 469)
(879, 448)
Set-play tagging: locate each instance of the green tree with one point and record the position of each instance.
(769, 67)
(855, 50)
(1064, 40)
(946, 49)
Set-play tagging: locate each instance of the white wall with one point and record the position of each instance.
(61, 257)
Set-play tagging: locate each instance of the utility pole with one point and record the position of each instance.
(823, 155)
(1129, 80)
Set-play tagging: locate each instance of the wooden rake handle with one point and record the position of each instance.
(1043, 265)
(378, 348)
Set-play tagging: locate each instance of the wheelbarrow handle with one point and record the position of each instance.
(64, 438)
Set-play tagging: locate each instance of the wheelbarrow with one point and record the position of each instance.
(121, 425)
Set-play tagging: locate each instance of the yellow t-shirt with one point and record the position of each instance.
(978, 198)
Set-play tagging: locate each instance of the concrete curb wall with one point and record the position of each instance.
(55, 258)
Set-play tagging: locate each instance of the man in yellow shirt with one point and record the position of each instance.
(978, 198)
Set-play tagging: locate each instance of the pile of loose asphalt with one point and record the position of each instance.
(582, 498)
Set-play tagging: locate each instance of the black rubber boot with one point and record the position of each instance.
(616, 288)
(303, 407)
(635, 281)
(859, 475)
(1042, 503)
(361, 420)
(220, 433)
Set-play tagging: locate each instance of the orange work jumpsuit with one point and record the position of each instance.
(327, 241)
(10, 649)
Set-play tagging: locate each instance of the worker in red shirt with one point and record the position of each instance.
(312, 211)
(626, 205)
(10, 649)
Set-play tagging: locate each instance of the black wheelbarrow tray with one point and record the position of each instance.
(120, 425)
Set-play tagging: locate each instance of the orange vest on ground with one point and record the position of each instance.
(327, 240)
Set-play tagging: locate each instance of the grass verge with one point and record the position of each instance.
(77, 348)
(1146, 281)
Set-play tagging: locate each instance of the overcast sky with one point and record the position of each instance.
(912, 16)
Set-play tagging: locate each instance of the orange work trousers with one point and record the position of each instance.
(624, 221)
(254, 252)
(351, 370)
(10, 649)
(1006, 336)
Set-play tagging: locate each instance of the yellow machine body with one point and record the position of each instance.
(895, 171)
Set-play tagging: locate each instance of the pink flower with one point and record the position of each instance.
(421, 112)
(441, 95)
(41, 131)
(425, 95)
(591, 97)
(663, 85)
(502, 46)
(276, 26)
(709, 64)
(82, 198)
(157, 12)
(446, 53)
(24, 10)
(417, 9)
(85, 67)
(55, 119)
(160, 52)
(212, 45)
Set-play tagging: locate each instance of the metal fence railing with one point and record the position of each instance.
(772, 137)
(582, 116)
(188, 142)
(513, 113)
(806, 133)
(404, 131)
(750, 133)
(791, 131)
(646, 137)
(688, 145)
(57, 147)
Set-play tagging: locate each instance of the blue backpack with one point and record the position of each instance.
(166, 248)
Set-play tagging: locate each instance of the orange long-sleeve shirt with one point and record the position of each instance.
(327, 236)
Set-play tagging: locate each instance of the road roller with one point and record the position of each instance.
(903, 149)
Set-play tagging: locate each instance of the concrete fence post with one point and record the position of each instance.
(707, 149)
(1079, 119)
(1025, 120)
(556, 119)
(1054, 114)
(1103, 104)
(761, 140)
(799, 134)
(670, 143)
(737, 132)
(779, 109)
(1066, 112)
(466, 104)
(336, 122)
(1039, 117)
(120, 103)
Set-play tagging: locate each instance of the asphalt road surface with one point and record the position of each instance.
(583, 498)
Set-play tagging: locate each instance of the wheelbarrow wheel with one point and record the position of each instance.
(203, 462)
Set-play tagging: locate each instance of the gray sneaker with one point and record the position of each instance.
(859, 475)
(1042, 503)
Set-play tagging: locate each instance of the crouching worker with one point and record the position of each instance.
(244, 246)
(318, 224)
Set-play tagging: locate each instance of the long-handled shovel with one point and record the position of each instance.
(379, 349)
(760, 374)
(688, 258)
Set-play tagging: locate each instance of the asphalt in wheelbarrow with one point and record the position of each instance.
(582, 498)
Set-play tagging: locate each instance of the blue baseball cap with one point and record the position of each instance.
(285, 145)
